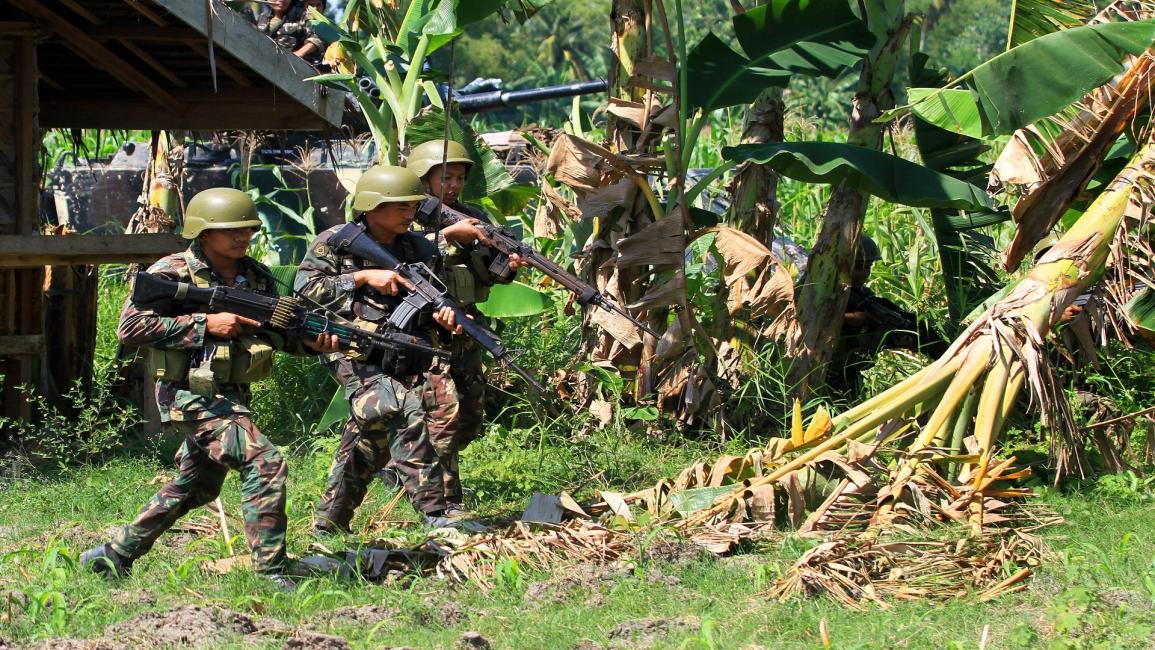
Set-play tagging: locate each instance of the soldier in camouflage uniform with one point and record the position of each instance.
(459, 394)
(386, 390)
(204, 364)
(287, 23)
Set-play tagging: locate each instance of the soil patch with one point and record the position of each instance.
(314, 641)
(675, 551)
(188, 626)
(473, 641)
(647, 632)
(586, 575)
(360, 615)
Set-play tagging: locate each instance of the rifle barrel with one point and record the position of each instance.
(498, 99)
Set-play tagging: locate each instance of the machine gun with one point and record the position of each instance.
(427, 292)
(470, 103)
(275, 312)
(432, 214)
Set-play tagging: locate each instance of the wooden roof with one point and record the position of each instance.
(144, 64)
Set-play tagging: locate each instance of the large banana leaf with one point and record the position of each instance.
(1141, 311)
(1034, 80)
(888, 177)
(1031, 19)
(488, 176)
(514, 300)
(811, 37)
(336, 412)
(441, 20)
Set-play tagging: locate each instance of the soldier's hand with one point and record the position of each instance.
(856, 318)
(385, 282)
(446, 318)
(227, 326)
(515, 262)
(324, 343)
(465, 232)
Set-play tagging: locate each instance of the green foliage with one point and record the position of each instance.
(515, 300)
(1036, 79)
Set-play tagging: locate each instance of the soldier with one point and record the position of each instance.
(204, 364)
(386, 391)
(467, 271)
(287, 23)
(872, 323)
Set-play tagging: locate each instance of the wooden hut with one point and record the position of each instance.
(114, 64)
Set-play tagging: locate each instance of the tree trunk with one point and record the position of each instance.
(753, 208)
(824, 288)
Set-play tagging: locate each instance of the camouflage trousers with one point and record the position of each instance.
(458, 398)
(211, 447)
(387, 420)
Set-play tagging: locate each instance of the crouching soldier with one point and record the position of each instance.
(385, 390)
(203, 364)
(468, 270)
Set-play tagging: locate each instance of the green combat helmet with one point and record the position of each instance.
(219, 207)
(428, 155)
(386, 184)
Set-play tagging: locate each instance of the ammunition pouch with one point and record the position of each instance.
(464, 285)
(395, 362)
(243, 360)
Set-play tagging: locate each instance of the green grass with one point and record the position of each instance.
(1098, 590)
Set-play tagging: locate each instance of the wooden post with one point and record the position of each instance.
(20, 290)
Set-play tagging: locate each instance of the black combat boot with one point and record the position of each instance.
(106, 562)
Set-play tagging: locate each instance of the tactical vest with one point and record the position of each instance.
(242, 360)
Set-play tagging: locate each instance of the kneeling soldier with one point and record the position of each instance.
(204, 364)
(385, 390)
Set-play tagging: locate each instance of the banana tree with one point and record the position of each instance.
(383, 51)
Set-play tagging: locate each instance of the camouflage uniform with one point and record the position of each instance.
(387, 398)
(459, 394)
(218, 432)
(292, 30)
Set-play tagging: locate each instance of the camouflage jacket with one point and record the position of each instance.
(181, 330)
(327, 278)
(292, 30)
(465, 269)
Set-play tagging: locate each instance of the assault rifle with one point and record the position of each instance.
(280, 313)
(431, 213)
(427, 292)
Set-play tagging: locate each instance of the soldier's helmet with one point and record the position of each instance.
(219, 207)
(428, 155)
(386, 184)
(868, 251)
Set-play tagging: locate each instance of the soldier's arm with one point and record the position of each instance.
(319, 277)
(144, 327)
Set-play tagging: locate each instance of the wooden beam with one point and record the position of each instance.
(202, 48)
(27, 136)
(98, 55)
(159, 67)
(18, 28)
(237, 108)
(240, 38)
(21, 345)
(28, 251)
(146, 34)
(147, 12)
(81, 11)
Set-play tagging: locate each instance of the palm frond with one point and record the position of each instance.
(1033, 18)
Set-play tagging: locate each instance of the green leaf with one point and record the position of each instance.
(815, 37)
(1039, 78)
(336, 412)
(1141, 311)
(487, 177)
(955, 106)
(523, 10)
(888, 177)
(1031, 19)
(513, 199)
(514, 300)
(644, 413)
(690, 501)
(720, 77)
(284, 274)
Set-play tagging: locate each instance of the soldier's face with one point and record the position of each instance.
(450, 178)
(281, 5)
(388, 220)
(231, 243)
(860, 274)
